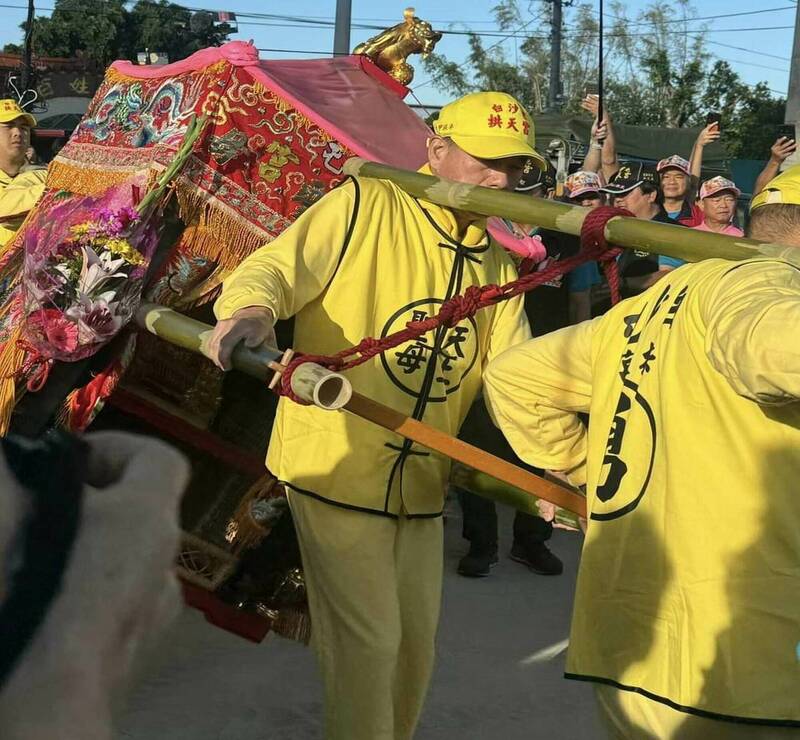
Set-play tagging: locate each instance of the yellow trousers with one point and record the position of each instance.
(631, 716)
(374, 592)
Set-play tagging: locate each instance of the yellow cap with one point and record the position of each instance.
(785, 188)
(10, 111)
(489, 125)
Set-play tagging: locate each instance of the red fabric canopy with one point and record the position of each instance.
(348, 97)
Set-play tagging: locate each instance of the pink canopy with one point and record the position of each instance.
(349, 97)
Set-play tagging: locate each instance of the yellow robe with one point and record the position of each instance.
(362, 262)
(689, 585)
(17, 196)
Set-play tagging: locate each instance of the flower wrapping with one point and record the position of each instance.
(85, 264)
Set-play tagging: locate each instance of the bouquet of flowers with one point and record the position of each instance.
(86, 260)
(83, 275)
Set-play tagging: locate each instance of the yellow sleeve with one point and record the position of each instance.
(22, 194)
(509, 328)
(534, 393)
(751, 317)
(510, 325)
(297, 266)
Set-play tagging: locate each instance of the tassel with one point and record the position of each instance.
(215, 233)
(82, 405)
(12, 357)
(293, 623)
(243, 531)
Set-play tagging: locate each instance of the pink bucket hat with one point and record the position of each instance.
(717, 185)
(582, 182)
(677, 162)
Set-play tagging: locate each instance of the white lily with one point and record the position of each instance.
(97, 269)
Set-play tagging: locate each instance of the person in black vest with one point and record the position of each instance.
(636, 188)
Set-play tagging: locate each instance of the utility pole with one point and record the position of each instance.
(793, 94)
(554, 94)
(341, 37)
(27, 51)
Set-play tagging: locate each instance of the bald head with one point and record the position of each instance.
(776, 222)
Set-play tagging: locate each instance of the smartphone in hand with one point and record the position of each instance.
(713, 118)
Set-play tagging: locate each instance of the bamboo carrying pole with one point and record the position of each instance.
(648, 236)
(311, 382)
(262, 362)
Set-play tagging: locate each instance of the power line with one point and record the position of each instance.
(322, 22)
(750, 51)
(487, 50)
(306, 23)
(506, 36)
(703, 18)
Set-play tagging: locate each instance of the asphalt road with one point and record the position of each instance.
(205, 684)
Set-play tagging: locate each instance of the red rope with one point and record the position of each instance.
(593, 247)
(35, 367)
(593, 236)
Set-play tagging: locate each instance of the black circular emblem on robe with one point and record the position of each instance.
(409, 364)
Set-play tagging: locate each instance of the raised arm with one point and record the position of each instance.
(602, 155)
(780, 150)
(708, 135)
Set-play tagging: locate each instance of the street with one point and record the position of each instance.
(209, 685)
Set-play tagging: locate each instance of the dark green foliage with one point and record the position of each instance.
(101, 31)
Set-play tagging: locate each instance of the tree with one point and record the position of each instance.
(658, 71)
(166, 27)
(92, 27)
(101, 31)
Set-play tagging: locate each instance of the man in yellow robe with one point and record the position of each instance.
(687, 609)
(21, 184)
(367, 503)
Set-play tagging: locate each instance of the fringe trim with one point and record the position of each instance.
(113, 76)
(294, 624)
(17, 240)
(212, 232)
(84, 180)
(217, 235)
(11, 359)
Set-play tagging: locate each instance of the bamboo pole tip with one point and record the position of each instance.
(353, 166)
(333, 392)
(322, 387)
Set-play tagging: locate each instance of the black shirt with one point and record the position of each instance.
(633, 263)
(547, 306)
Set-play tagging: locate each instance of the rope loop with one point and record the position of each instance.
(593, 241)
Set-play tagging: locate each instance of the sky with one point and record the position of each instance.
(763, 40)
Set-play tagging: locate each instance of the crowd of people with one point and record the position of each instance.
(686, 616)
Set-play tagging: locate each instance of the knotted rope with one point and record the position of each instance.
(593, 247)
